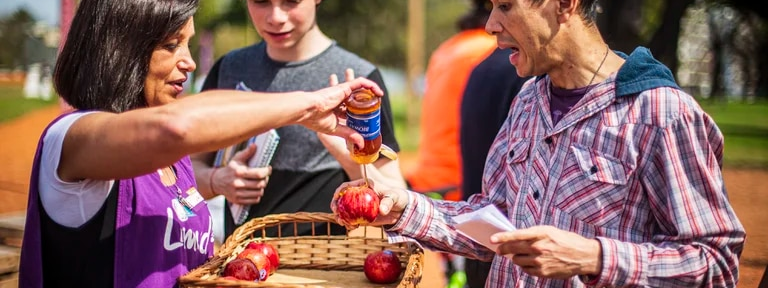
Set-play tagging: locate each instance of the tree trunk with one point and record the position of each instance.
(761, 89)
(718, 89)
(663, 44)
(415, 56)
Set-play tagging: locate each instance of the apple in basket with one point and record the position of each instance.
(263, 266)
(242, 269)
(382, 267)
(269, 251)
(357, 205)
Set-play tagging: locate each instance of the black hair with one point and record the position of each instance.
(104, 62)
(588, 10)
(476, 18)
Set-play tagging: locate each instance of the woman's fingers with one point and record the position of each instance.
(334, 80)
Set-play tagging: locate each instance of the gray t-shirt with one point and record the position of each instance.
(304, 174)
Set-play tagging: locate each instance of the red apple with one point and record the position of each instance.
(269, 251)
(263, 266)
(242, 269)
(357, 205)
(382, 267)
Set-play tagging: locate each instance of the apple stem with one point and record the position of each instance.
(365, 176)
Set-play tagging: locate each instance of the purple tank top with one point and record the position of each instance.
(156, 239)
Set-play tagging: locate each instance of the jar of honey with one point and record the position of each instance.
(364, 116)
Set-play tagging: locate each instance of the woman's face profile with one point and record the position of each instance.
(169, 66)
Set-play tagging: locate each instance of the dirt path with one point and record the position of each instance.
(747, 190)
(19, 140)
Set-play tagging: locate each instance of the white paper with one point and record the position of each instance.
(481, 224)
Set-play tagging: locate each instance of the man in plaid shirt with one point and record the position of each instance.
(610, 173)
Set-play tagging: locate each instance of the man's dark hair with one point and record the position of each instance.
(476, 17)
(588, 9)
(105, 60)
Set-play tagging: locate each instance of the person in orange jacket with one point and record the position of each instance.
(438, 165)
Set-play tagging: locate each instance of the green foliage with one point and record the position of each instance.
(207, 13)
(13, 103)
(229, 37)
(375, 30)
(213, 13)
(13, 34)
(652, 12)
(442, 16)
(407, 134)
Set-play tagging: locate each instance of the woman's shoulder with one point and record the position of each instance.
(61, 123)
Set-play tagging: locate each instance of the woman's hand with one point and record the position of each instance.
(382, 170)
(337, 146)
(324, 116)
(392, 202)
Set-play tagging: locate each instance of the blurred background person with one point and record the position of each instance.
(437, 169)
(487, 97)
(438, 163)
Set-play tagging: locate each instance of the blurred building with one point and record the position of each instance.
(700, 28)
(40, 50)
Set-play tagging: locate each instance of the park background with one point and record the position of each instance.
(715, 49)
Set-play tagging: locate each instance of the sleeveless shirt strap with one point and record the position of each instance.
(110, 212)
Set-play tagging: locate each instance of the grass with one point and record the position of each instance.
(13, 104)
(407, 133)
(745, 127)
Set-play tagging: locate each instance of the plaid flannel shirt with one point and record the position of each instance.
(640, 173)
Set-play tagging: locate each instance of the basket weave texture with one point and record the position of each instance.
(319, 255)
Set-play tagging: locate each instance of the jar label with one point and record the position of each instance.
(368, 125)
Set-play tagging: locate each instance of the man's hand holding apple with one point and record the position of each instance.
(391, 203)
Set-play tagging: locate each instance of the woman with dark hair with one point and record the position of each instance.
(113, 200)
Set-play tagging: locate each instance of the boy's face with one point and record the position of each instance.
(282, 23)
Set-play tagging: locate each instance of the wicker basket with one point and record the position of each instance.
(318, 261)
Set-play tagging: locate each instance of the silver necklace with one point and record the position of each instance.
(600, 66)
(593, 75)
